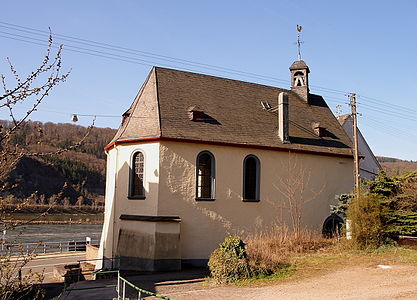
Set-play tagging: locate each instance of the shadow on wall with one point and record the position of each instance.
(141, 240)
(124, 181)
(223, 214)
(228, 214)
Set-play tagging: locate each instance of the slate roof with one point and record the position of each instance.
(343, 118)
(233, 114)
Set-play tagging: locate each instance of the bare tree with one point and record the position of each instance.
(31, 89)
(296, 190)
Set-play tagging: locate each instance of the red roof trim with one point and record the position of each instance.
(115, 143)
(128, 141)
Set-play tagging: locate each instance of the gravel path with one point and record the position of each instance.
(397, 282)
(359, 282)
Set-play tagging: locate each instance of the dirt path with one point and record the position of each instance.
(365, 282)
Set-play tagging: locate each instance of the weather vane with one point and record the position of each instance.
(299, 42)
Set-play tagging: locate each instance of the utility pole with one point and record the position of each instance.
(352, 97)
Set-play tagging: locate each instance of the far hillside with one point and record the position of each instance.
(73, 177)
(395, 166)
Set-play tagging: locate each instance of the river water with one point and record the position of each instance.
(52, 233)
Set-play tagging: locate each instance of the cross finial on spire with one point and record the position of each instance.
(299, 42)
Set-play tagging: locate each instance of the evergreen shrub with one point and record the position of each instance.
(229, 262)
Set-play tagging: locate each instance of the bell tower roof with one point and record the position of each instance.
(299, 65)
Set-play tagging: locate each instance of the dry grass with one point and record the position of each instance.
(274, 249)
(278, 254)
(339, 257)
(287, 256)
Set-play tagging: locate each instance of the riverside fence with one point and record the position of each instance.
(45, 247)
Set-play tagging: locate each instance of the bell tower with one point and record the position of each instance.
(299, 72)
(299, 79)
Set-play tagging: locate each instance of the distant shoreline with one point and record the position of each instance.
(54, 217)
(52, 210)
(51, 222)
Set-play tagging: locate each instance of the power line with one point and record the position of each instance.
(158, 56)
(408, 114)
(171, 59)
(81, 50)
(390, 127)
(389, 109)
(109, 55)
(390, 112)
(338, 100)
(147, 54)
(138, 61)
(400, 135)
(388, 104)
(127, 50)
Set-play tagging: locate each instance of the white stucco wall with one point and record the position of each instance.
(119, 161)
(170, 191)
(369, 165)
(106, 243)
(205, 224)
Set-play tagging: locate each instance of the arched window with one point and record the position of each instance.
(205, 176)
(137, 190)
(251, 178)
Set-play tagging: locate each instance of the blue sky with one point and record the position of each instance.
(364, 47)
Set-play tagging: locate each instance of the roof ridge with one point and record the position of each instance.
(219, 77)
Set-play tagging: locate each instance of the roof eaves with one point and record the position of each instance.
(128, 141)
(196, 141)
(155, 69)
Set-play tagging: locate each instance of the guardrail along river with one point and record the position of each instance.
(33, 233)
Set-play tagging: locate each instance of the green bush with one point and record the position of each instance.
(229, 262)
(365, 214)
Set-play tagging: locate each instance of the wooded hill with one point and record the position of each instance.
(72, 177)
(394, 166)
(78, 176)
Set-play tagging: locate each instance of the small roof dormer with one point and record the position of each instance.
(299, 79)
(195, 113)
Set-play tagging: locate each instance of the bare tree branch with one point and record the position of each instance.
(293, 188)
(31, 89)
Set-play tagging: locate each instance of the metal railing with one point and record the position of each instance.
(123, 283)
(121, 287)
(44, 247)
